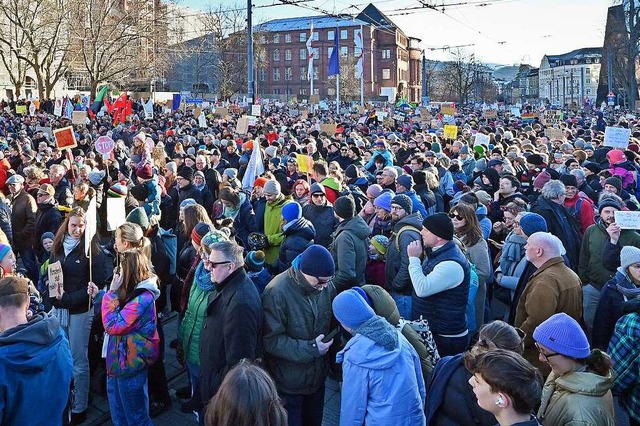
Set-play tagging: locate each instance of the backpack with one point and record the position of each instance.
(400, 231)
(359, 197)
(418, 333)
(170, 242)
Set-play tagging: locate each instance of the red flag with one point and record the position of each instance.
(107, 104)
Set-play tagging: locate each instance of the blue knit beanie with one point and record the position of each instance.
(187, 202)
(316, 261)
(562, 334)
(384, 200)
(351, 310)
(4, 250)
(291, 212)
(531, 223)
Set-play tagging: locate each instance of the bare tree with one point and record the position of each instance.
(13, 41)
(632, 15)
(459, 75)
(117, 41)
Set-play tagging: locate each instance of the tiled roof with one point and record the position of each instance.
(304, 23)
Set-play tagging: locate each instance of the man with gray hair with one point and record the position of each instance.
(232, 325)
(560, 221)
(553, 288)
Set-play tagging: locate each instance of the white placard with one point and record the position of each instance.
(482, 139)
(56, 279)
(116, 213)
(617, 137)
(627, 219)
(256, 110)
(515, 111)
(381, 115)
(202, 121)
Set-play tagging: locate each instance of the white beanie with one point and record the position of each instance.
(628, 256)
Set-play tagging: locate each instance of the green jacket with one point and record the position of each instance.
(294, 315)
(191, 326)
(349, 251)
(592, 270)
(273, 227)
(578, 398)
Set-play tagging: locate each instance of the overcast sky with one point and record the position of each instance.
(528, 28)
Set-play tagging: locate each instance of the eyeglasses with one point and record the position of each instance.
(343, 150)
(545, 356)
(455, 216)
(396, 208)
(214, 264)
(516, 224)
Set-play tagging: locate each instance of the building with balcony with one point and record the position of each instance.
(570, 78)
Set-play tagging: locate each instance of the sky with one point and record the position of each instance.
(503, 31)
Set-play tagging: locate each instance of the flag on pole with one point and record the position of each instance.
(68, 109)
(359, 53)
(91, 226)
(99, 100)
(255, 167)
(334, 61)
(310, 54)
(148, 110)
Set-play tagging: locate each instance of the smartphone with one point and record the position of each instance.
(333, 333)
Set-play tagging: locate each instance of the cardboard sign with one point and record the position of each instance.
(450, 132)
(617, 137)
(515, 111)
(627, 219)
(448, 109)
(256, 110)
(116, 213)
(56, 279)
(552, 133)
(314, 99)
(552, 117)
(79, 117)
(45, 130)
(305, 163)
(202, 121)
(482, 139)
(65, 138)
(21, 109)
(223, 112)
(490, 114)
(329, 129)
(381, 115)
(243, 126)
(104, 145)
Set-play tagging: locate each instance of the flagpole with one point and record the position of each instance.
(337, 93)
(362, 73)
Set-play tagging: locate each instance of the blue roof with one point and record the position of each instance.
(304, 23)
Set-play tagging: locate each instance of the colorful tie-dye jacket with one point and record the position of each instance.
(133, 336)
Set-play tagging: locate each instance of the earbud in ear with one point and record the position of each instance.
(500, 400)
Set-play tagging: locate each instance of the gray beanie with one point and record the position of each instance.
(171, 166)
(272, 187)
(629, 255)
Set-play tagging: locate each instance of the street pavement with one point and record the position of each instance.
(98, 411)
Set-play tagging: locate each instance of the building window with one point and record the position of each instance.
(316, 35)
(316, 52)
(287, 38)
(276, 38)
(287, 91)
(276, 74)
(587, 70)
(263, 39)
(344, 34)
(303, 54)
(303, 37)
(316, 75)
(386, 73)
(344, 51)
(303, 91)
(287, 55)
(287, 73)
(386, 53)
(262, 74)
(303, 73)
(330, 35)
(587, 81)
(276, 91)
(276, 55)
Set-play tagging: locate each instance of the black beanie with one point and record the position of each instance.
(403, 201)
(345, 207)
(569, 180)
(419, 177)
(186, 173)
(439, 224)
(614, 181)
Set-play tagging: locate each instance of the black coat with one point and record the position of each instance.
(64, 195)
(231, 330)
(48, 219)
(297, 238)
(190, 191)
(5, 221)
(323, 221)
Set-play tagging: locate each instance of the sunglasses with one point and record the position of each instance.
(455, 216)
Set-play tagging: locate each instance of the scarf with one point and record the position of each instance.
(629, 293)
(69, 243)
(232, 212)
(200, 187)
(512, 252)
(202, 278)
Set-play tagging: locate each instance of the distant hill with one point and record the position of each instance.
(507, 73)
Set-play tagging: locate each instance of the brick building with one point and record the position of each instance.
(391, 59)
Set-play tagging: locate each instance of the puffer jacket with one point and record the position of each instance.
(323, 220)
(294, 315)
(23, 219)
(397, 266)
(297, 238)
(610, 309)
(273, 228)
(349, 251)
(577, 398)
(134, 343)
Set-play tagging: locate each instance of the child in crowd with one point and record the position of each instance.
(374, 271)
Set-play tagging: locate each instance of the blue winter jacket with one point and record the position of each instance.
(383, 382)
(35, 373)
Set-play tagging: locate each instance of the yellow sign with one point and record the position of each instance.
(448, 110)
(305, 163)
(450, 131)
(21, 109)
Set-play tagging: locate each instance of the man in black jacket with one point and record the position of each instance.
(48, 217)
(232, 325)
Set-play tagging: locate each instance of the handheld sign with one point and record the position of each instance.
(256, 110)
(617, 137)
(104, 145)
(56, 280)
(627, 219)
(79, 117)
(450, 131)
(65, 138)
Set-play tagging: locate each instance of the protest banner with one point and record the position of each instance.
(617, 137)
(448, 109)
(552, 117)
(116, 213)
(450, 132)
(65, 138)
(243, 126)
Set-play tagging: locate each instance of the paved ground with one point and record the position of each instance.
(98, 412)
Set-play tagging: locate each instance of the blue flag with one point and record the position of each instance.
(176, 101)
(334, 60)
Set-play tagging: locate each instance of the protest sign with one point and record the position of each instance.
(617, 137)
(57, 108)
(314, 99)
(515, 111)
(223, 112)
(552, 117)
(305, 163)
(104, 145)
(450, 131)
(54, 273)
(79, 117)
(448, 109)
(490, 114)
(243, 126)
(202, 121)
(627, 219)
(32, 109)
(553, 133)
(116, 213)
(21, 109)
(329, 129)
(65, 138)
(482, 139)
(256, 110)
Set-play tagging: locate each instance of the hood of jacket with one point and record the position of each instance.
(357, 225)
(383, 303)
(585, 383)
(376, 345)
(413, 219)
(33, 346)
(301, 227)
(150, 284)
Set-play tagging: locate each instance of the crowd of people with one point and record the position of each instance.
(475, 280)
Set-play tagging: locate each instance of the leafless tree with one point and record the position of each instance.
(459, 75)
